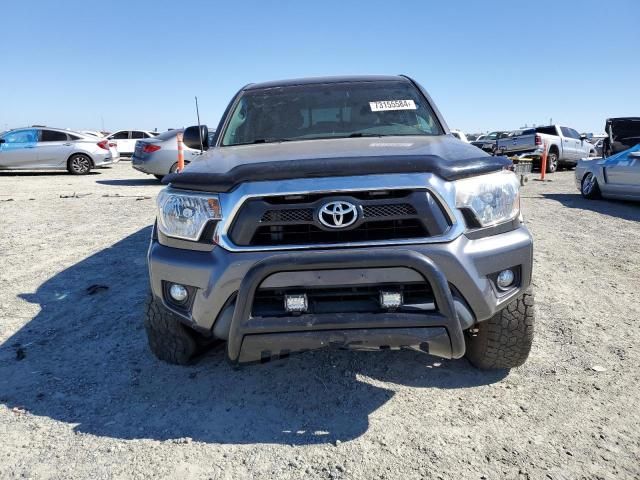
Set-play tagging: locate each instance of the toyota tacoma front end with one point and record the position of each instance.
(340, 212)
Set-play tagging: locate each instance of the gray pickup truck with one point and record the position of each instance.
(565, 145)
(340, 212)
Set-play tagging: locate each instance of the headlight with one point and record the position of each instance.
(183, 215)
(493, 198)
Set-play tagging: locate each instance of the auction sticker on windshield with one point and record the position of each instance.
(384, 105)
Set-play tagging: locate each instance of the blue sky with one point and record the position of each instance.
(488, 65)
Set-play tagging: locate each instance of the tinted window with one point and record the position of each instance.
(574, 134)
(340, 110)
(495, 135)
(74, 137)
(120, 136)
(137, 134)
(53, 136)
(21, 136)
(551, 130)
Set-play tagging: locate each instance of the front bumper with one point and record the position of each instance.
(459, 272)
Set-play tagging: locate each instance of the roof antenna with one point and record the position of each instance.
(199, 127)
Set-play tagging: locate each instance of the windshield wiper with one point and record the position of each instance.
(271, 140)
(360, 134)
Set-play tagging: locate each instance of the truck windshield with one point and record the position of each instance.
(338, 110)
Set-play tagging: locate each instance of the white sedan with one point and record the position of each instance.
(126, 139)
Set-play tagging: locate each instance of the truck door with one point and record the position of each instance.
(569, 147)
(583, 147)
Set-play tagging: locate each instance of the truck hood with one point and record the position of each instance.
(223, 168)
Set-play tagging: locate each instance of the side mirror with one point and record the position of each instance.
(2, 140)
(193, 135)
(583, 137)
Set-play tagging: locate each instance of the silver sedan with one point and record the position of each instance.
(158, 156)
(617, 176)
(43, 148)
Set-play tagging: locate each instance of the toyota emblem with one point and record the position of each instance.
(338, 214)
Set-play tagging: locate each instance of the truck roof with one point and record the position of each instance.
(324, 80)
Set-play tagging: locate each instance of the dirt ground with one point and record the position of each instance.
(81, 396)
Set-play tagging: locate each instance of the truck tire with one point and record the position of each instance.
(169, 339)
(503, 341)
(552, 162)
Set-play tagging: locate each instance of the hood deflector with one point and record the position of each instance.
(336, 167)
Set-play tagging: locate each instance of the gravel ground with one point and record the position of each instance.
(81, 396)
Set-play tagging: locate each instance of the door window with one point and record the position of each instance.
(53, 136)
(566, 132)
(137, 134)
(120, 136)
(21, 136)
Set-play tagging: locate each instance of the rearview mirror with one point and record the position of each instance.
(192, 137)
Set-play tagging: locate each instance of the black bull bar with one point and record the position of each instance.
(259, 339)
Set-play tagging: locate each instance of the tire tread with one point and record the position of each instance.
(169, 340)
(504, 341)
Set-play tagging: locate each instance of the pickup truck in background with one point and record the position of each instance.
(487, 143)
(565, 145)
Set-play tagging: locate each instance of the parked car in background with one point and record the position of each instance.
(487, 142)
(126, 139)
(93, 133)
(459, 134)
(622, 133)
(598, 143)
(617, 176)
(35, 148)
(158, 156)
(565, 146)
(472, 137)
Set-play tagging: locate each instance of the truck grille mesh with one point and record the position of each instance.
(383, 216)
(288, 216)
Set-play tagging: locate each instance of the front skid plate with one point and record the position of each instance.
(270, 346)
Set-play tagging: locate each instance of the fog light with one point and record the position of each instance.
(390, 299)
(505, 279)
(178, 293)
(296, 303)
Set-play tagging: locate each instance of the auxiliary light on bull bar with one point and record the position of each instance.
(296, 303)
(390, 300)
